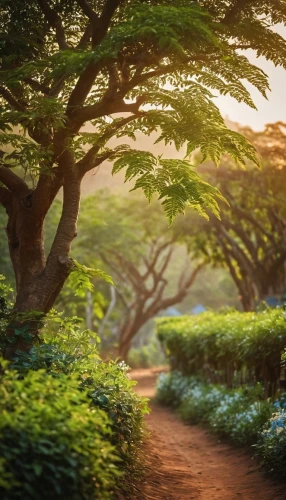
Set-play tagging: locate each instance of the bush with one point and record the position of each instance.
(200, 402)
(66, 355)
(67, 349)
(236, 414)
(171, 388)
(52, 444)
(271, 445)
(110, 389)
(5, 308)
(238, 419)
(229, 348)
(215, 352)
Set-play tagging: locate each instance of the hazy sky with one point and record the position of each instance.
(271, 110)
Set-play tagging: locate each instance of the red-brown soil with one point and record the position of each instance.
(187, 462)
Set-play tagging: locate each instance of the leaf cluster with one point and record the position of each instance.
(162, 62)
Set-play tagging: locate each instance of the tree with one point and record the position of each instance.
(137, 250)
(122, 66)
(250, 236)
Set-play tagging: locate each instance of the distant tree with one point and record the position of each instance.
(137, 250)
(123, 66)
(250, 237)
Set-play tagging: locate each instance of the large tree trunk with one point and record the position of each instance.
(39, 280)
(37, 287)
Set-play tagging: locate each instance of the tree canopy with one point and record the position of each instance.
(249, 237)
(123, 66)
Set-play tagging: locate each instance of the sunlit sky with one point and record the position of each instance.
(271, 110)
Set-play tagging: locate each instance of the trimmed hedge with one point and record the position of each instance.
(228, 348)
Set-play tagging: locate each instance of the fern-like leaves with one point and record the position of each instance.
(174, 181)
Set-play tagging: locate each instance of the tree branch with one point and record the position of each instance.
(39, 87)
(154, 258)
(248, 216)
(93, 20)
(103, 108)
(121, 276)
(83, 88)
(55, 22)
(277, 264)
(85, 38)
(190, 280)
(132, 273)
(14, 183)
(122, 298)
(105, 19)
(88, 76)
(90, 160)
(238, 254)
(236, 8)
(178, 297)
(8, 96)
(238, 281)
(238, 230)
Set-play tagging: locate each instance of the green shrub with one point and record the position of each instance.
(231, 348)
(65, 348)
(236, 414)
(199, 403)
(271, 445)
(111, 390)
(52, 443)
(239, 419)
(5, 308)
(170, 388)
(64, 352)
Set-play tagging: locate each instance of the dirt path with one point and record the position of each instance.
(187, 462)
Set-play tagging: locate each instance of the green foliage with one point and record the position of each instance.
(5, 308)
(237, 414)
(126, 247)
(51, 442)
(248, 239)
(272, 443)
(80, 278)
(66, 352)
(162, 61)
(111, 390)
(173, 180)
(229, 347)
(89, 412)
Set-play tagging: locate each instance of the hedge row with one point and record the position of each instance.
(230, 348)
(70, 424)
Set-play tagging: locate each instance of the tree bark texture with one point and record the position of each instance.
(39, 280)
